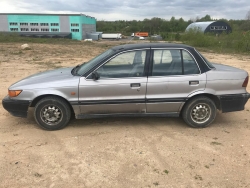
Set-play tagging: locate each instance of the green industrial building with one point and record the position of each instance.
(74, 26)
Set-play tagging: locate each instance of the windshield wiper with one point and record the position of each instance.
(74, 70)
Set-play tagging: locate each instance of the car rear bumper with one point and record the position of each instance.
(236, 102)
(18, 108)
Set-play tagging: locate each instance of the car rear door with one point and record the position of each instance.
(174, 76)
(121, 87)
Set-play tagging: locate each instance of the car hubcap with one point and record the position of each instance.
(201, 113)
(51, 115)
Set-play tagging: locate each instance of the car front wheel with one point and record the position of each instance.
(52, 113)
(199, 112)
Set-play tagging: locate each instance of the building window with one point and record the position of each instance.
(24, 24)
(223, 28)
(24, 29)
(75, 25)
(13, 23)
(218, 27)
(34, 24)
(44, 24)
(45, 30)
(55, 30)
(34, 29)
(54, 24)
(74, 30)
(13, 29)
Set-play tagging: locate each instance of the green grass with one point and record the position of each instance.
(15, 38)
(235, 42)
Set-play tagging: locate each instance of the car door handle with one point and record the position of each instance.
(135, 85)
(194, 82)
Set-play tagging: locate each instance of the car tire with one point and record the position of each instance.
(199, 112)
(52, 113)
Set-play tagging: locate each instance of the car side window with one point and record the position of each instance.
(190, 66)
(162, 56)
(167, 62)
(128, 64)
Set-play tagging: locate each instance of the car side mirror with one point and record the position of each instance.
(95, 76)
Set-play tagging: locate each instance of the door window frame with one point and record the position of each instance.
(181, 50)
(146, 64)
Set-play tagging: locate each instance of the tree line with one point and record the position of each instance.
(164, 27)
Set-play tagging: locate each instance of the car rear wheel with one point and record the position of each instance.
(199, 112)
(52, 113)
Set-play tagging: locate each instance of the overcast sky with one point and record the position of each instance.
(131, 9)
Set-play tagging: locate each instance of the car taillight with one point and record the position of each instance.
(245, 82)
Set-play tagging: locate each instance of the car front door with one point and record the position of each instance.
(117, 86)
(174, 76)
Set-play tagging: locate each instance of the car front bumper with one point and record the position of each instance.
(235, 102)
(18, 108)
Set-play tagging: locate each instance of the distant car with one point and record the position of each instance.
(150, 79)
(156, 37)
(139, 38)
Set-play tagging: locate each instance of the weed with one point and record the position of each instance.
(166, 171)
(198, 177)
(37, 59)
(38, 175)
(156, 170)
(17, 52)
(216, 143)
(156, 183)
(206, 166)
(49, 64)
(191, 166)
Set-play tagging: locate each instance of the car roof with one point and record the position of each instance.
(149, 45)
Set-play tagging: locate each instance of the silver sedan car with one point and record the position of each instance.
(161, 79)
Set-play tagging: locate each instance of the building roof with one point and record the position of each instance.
(44, 14)
(199, 25)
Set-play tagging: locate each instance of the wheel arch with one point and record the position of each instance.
(37, 99)
(214, 98)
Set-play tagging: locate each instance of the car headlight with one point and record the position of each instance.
(14, 93)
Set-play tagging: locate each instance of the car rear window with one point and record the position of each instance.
(206, 61)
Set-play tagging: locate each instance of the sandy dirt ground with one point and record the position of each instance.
(117, 152)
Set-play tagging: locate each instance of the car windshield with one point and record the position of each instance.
(85, 67)
(207, 62)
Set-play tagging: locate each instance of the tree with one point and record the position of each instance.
(162, 26)
(205, 18)
(246, 25)
(248, 15)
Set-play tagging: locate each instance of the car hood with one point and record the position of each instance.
(44, 77)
